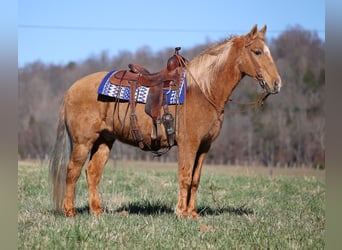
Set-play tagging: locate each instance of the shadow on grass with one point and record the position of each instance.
(142, 209)
(241, 210)
(133, 208)
(148, 208)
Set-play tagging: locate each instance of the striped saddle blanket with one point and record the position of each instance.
(106, 88)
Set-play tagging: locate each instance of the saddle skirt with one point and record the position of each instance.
(173, 97)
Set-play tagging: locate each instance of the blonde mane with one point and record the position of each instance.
(205, 66)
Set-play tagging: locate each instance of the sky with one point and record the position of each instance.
(58, 32)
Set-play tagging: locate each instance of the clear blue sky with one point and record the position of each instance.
(62, 31)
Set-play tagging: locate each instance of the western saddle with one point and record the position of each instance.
(168, 78)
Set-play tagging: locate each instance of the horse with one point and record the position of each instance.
(89, 124)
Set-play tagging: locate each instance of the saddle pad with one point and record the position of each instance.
(123, 92)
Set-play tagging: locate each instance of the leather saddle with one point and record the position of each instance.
(138, 73)
(168, 78)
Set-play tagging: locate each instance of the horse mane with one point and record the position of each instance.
(206, 65)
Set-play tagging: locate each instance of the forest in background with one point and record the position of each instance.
(288, 130)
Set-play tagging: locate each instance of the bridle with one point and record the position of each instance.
(258, 74)
(260, 78)
(262, 97)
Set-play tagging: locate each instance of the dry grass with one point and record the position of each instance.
(221, 169)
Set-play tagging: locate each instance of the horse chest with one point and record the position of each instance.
(215, 129)
(210, 130)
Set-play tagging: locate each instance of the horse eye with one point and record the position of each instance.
(258, 52)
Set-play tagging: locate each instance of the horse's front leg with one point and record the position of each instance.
(196, 177)
(186, 160)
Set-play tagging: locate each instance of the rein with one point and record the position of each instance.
(259, 102)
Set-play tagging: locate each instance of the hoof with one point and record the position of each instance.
(95, 209)
(70, 213)
(187, 214)
(195, 215)
(181, 213)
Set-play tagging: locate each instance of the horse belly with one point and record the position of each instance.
(123, 130)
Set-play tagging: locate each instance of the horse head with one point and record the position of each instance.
(258, 62)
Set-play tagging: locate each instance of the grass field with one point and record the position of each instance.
(241, 208)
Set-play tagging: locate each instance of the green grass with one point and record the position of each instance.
(238, 212)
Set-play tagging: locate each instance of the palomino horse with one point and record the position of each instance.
(90, 125)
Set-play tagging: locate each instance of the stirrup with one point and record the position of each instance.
(168, 123)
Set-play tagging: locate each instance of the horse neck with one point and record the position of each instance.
(217, 77)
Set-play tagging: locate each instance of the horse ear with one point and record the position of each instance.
(253, 33)
(263, 30)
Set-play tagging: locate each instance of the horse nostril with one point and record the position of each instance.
(276, 86)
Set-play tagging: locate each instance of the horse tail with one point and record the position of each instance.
(59, 161)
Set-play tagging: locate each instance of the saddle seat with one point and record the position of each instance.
(141, 75)
(136, 68)
(168, 78)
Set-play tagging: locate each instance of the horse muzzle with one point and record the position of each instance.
(273, 89)
(276, 87)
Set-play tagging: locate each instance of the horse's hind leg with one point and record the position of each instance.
(98, 158)
(78, 157)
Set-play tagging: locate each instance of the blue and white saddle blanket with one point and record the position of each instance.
(106, 88)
